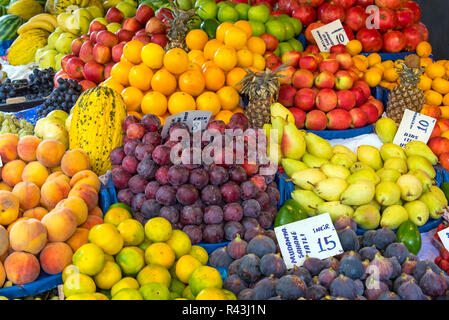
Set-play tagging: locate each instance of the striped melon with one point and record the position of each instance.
(8, 26)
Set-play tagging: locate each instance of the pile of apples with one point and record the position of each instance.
(399, 29)
(326, 91)
(95, 53)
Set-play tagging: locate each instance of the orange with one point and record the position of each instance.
(354, 47)
(208, 101)
(140, 77)
(199, 60)
(214, 77)
(164, 82)
(208, 64)
(238, 110)
(235, 38)
(221, 31)
(258, 61)
(256, 45)
(226, 58)
(192, 82)
(120, 71)
(433, 98)
(180, 102)
(193, 54)
(372, 77)
(360, 64)
(176, 60)
(152, 55)
(425, 83)
(229, 98)
(132, 98)
(245, 26)
(425, 62)
(224, 115)
(244, 58)
(234, 77)
(154, 102)
(111, 83)
(391, 75)
(434, 71)
(424, 49)
(211, 47)
(136, 114)
(440, 85)
(374, 58)
(193, 67)
(446, 100)
(196, 39)
(132, 51)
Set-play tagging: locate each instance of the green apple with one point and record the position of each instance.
(227, 14)
(127, 9)
(276, 28)
(184, 4)
(95, 11)
(198, 3)
(58, 59)
(47, 59)
(289, 30)
(296, 45)
(242, 9)
(84, 23)
(297, 25)
(102, 20)
(284, 47)
(208, 10)
(83, 12)
(258, 28)
(53, 37)
(64, 42)
(259, 13)
(114, 27)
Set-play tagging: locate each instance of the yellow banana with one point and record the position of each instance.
(84, 3)
(47, 26)
(45, 17)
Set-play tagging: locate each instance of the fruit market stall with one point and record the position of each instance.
(176, 150)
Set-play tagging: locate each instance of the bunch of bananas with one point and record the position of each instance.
(44, 21)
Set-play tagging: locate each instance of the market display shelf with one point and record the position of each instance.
(343, 134)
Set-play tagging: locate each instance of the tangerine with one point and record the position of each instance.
(235, 38)
(211, 47)
(132, 51)
(140, 77)
(120, 72)
(196, 39)
(221, 31)
(424, 49)
(154, 102)
(256, 45)
(152, 55)
(176, 60)
(164, 82)
(192, 82)
(226, 58)
(234, 77)
(224, 115)
(244, 58)
(229, 97)
(258, 61)
(208, 101)
(214, 77)
(180, 102)
(245, 26)
(132, 98)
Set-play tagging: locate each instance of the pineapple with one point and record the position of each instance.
(179, 27)
(407, 95)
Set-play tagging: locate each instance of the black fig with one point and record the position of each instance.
(220, 258)
(403, 278)
(248, 269)
(301, 272)
(380, 267)
(331, 262)
(388, 295)
(351, 267)
(344, 287)
(350, 253)
(326, 277)
(397, 269)
(368, 253)
(348, 239)
(313, 265)
(246, 294)
(411, 291)
(291, 287)
(432, 284)
(261, 245)
(383, 238)
(316, 292)
(265, 288)
(360, 287)
(252, 232)
(398, 250)
(368, 238)
(421, 268)
(409, 266)
(374, 288)
(344, 221)
(234, 267)
(234, 284)
(272, 264)
(237, 247)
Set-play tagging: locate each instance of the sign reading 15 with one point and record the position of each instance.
(330, 244)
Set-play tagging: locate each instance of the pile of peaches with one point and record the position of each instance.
(48, 203)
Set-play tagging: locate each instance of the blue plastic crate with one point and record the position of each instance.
(4, 46)
(29, 115)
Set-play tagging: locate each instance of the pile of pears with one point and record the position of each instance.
(375, 187)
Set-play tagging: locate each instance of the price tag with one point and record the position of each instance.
(193, 119)
(330, 35)
(314, 237)
(444, 236)
(414, 126)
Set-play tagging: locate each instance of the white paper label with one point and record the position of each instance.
(330, 35)
(414, 126)
(314, 237)
(444, 236)
(193, 119)
(1, 162)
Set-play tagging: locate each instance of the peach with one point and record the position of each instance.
(55, 257)
(2, 275)
(78, 207)
(4, 186)
(35, 172)
(9, 207)
(50, 152)
(87, 193)
(22, 267)
(8, 147)
(28, 235)
(88, 177)
(4, 241)
(15, 222)
(54, 191)
(60, 223)
(28, 194)
(75, 161)
(36, 213)
(431, 111)
(96, 212)
(12, 172)
(91, 221)
(56, 169)
(26, 148)
(79, 238)
(58, 174)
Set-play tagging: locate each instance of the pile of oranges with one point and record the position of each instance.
(204, 78)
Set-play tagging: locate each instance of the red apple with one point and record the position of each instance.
(85, 37)
(359, 118)
(86, 51)
(438, 145)
(444, 160)
(330, 65)
(76, 45)
(64, 61)
(364, 3)
(107, 38)
(93, 36)
(329, 12)
(326, 100)
(394, 41)
(308, 63)
(345, 99)
(371, 112)
(117, 51)
(141, 32)
(306, 14)
(325, 80)
(308, 32)
(160, 39)
(312, 48)
(344, 60)
(124, 35)
(338, 48)
(131, 24)
(378, 104)
(102, 53)
(359, 96)
(86, 85)
(291, 58)
(305, 99)
(286, 95)
(155, 26)
(371, 40)
(93, 71)
(338, 119)
(316, 120)
(272, 61)
(343, 80)
(114, 15)
(443, 124)
(271, 42)
(60, 74)
(75, 68)
(354, 73)
(144, 38)
(96, 26)
(364, 86)
(107, 69)
(303, 78)
(356, 18)
(300, 117)
(287, 75)
(144, 13)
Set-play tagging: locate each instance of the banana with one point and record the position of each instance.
(47, 26)
(45, 17)
(84, 3)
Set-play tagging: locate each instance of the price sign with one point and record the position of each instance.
(330, 35)
(193, 119)
(314, 237)
(444, 236)
(414, 126)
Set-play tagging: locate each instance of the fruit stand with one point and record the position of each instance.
(195, 150)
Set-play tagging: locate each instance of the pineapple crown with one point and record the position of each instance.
(409, 76)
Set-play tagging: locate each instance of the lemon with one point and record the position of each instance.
(107, 237)
(89, 258)
(108, 257)
(158, 229)
(109, 276)
(117, 215)
(132, 232)
(374, 58)
(154, 291)
(185, 267)
(199, 253)
(127, 294)
(154, 273)
(187, 293)
(125, 283)
(145, 244)
(71, 269)
(78, 283)
(229, 295)
(131, 260)
(180, 243)
(204, 277)
(211, 294)
(174, 295)
(160, 253)
(177, 286)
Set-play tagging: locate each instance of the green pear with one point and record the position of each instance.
(292, 166)
(396, 163)
(47, 59)
(393, 217)
(439, 194)
(308, 178)
(376, 204)
(433, 203)
(335, 209)
(356, 166)
(345, 150)
(293, 145)
(388, 174)
(391, 150)
(277, 109)
(358, 193)
(64, 42)
(387, 193)
(419, 148)
(312, 161)
(425, 179)
(386, 129)
(308, 200)
(41, 51)
(364, 174)
(330, 189)
(419, 162)
(335, 171)
(411, 187)
(58, 59)
(342, 159)
(318, 146)
(52, 39)
(370, 155)
(277, 127)
(367, 217)
(418, 213)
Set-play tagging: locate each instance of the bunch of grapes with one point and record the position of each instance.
(63, 97)
(12, 124)
(209, 202)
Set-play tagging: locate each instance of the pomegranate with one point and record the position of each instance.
(308, 32)
(313, 3)
(349, 32)
(371, 40)
(306, 14)
(394, 41)
(330, 12)
(390, 4)
(423, 30)
(413, 37)
(283, 5)
(387, 19)
(356, 18)
(364, 3)
(404, 18)
(416, 9)
(292, 7)
(346, 4)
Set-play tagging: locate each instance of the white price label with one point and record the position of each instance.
(315, 237)
(414, 126)
(330, 35)
(193, 119)
(444, 236)
(1, 162)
